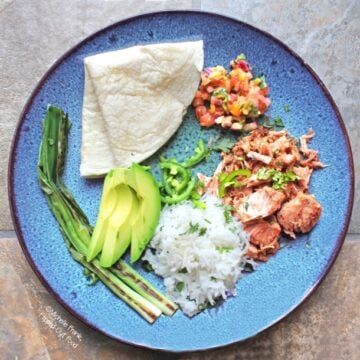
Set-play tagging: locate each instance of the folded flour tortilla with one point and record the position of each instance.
(134, 101)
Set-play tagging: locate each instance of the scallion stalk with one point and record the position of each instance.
(144, 307)
(132, 278)
(76, 228)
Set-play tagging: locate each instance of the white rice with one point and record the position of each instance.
(198, 266)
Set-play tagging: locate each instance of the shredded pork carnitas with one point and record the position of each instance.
(273, 197)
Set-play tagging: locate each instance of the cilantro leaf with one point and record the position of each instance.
(224, 145)
(180, 286)
(146, 266)
(202, 231)
(248, 268)
(224, 249)
(227, 213)
(278, 122)
(263, 174)
(241, 57)
(286, 108)
(193, 228)
(278, 178)
(263, 83)
(270, 123)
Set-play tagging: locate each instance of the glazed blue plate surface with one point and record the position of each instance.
(264, 296)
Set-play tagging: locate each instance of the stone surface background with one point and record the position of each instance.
(326, 326)
(33, 34)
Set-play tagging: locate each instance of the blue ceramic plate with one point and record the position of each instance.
(264, 296)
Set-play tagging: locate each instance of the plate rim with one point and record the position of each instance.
(27, 106)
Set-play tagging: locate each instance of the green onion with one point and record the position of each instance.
(133, 279)
(144, 307)
(73, 223)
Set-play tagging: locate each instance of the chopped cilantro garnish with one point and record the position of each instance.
(248, 268)
(224, 249)
(286, 108)
(278, 122)
(254, 110)
(193, 228)
(278, 178)
(263, 83)
(202, 231)
(227, 213)
(221, 93)
(268, 123)
(224, 145)
(240, 57)
(180, 286)
(183, 271)
(271, 123)
(208, 221)
(146, 266)
(263, 174)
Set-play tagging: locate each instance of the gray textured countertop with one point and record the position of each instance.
(324, 33)
(35, 33)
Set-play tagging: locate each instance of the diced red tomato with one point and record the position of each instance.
(217, 82)
(198, 102)
(207, 120)
(214, 100)
(264, 91)
(200, 111)
(228, 85)
(263, 103)
(219, 111)
(243, 65)
(233, 97)
(240, 93)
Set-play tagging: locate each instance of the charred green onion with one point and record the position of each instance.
(76, 229)
(132, 278)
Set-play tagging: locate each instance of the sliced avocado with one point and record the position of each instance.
(129, 212)
(118, 237)
(149, 213)
(116, 203)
